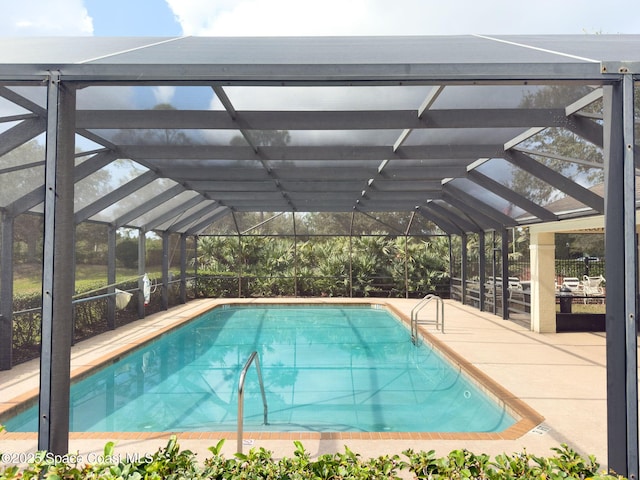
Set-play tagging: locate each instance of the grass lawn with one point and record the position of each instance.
(586, 307)
(28, 277)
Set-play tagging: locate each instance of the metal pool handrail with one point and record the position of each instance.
(421, 304)
(252, 357)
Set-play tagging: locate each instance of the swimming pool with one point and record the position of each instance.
(325, 368)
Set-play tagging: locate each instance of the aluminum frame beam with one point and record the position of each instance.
(442, 223)
(209, 220)
(555, 179)
(482, 220)
(23, 102)
(587, 129)
(246, 121)
(301, 153)
(245, 132)
(248, 174)
(564, 158)
(37, 195)
(288, 74)
(511, 196)
(463, 223)
(115, 196)
(175, 212)
(193, 217)
(148, 205)
(481, 206)
(20, 134)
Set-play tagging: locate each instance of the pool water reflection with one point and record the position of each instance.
(325, 368)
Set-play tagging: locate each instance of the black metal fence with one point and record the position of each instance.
(90, 313)
(89, 317)
(592, 267)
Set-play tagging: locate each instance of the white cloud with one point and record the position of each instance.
(343, 17)
(44, 17)
(401, 17)
(164, 94)
(105, 98)
(280, 17)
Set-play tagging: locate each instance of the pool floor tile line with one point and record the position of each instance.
(481, 340)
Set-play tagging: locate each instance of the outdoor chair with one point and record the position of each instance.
(515, 287)
(573, 284)
(514, 284)
(592, 286)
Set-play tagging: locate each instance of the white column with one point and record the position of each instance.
(543, 296)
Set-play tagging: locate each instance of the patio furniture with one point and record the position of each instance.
(592, 287)
(573, 284)
(514, 284)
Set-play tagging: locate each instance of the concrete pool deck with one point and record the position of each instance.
(560, 377)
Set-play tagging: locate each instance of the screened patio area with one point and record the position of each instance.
(167, 145)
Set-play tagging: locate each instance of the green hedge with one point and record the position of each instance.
(225, 285)
(90, 318)
(366, 266)
(172, 463)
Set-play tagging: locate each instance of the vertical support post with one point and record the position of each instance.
(195, 264)
(240, 264)
(494, 281)
(239, 257)
(295, 257)
(406, 266)
(183, 268)
(111, 276)
(406, 255)
(165, 270)
(482, 267)
(504, 251)
(142, 260)
(450, 266)
(622, 278)
(463, 267)
(57, 278)
(353, 214)
(6, 291)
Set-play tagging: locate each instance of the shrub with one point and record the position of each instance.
(26, 326)
(216, 285)
(127, 253)
(172, 463)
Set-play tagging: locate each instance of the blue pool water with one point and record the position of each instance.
(324, 369)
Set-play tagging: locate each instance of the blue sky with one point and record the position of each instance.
(315, 17)
(132, 17)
